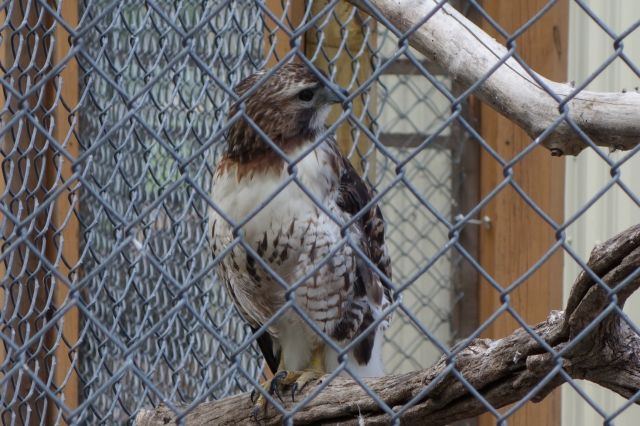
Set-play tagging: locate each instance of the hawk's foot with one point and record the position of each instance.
(303, 378)
(296, 380)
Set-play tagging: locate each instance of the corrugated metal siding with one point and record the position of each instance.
(589, 46)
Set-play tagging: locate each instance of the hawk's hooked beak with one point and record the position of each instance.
(331, 95)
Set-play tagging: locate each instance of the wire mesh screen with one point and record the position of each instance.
(165, 306)
(114, 119)
(135, 168)
(411, 111)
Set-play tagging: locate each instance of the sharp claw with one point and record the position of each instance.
(297, 380)
(274, 386)
(276, 392)
(278, 377)
(254, 414)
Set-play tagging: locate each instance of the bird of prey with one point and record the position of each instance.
(303, 230)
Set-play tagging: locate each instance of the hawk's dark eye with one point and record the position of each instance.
(305, 95)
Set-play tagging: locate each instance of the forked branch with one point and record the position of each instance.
(467, 54)
(503, 371)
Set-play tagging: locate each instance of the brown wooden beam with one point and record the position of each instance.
(465, 177)
(3, 184)
(518, 237)
(63, 248)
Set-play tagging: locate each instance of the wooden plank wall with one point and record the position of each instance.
(518, 237)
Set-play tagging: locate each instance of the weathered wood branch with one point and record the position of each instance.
(503, 371)
(466, 53)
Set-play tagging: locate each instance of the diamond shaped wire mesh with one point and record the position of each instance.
(135, 296)
(113, 119)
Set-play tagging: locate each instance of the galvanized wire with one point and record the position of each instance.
(124, 167)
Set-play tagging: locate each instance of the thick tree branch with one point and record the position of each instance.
(467, 54)
(503, 371)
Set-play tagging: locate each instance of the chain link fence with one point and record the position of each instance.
(111, 126)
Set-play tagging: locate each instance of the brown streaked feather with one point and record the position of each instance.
(267, 162)
(353, 196)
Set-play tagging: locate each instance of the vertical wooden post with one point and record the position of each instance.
(65, 233)
(518, 237)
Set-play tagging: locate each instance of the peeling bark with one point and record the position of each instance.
(503, 371)
(466, 53)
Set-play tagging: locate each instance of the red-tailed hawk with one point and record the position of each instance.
(292, 214)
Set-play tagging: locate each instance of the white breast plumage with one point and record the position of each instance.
(301, 245)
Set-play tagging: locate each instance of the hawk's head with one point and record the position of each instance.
(290, 107)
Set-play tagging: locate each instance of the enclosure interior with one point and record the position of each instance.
(115, 290)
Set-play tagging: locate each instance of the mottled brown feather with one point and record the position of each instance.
(271, 109)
